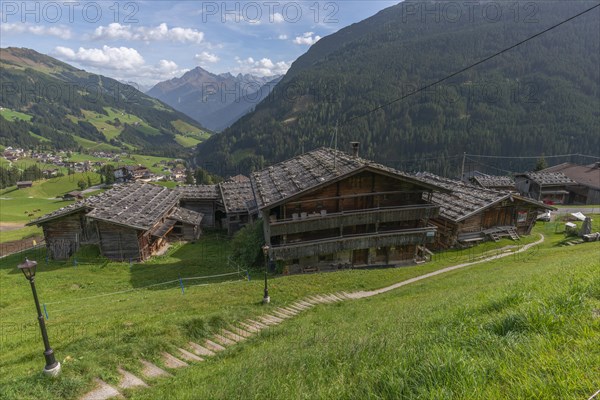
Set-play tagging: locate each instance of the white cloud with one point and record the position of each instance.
(206, 57)
(307, 38)
(162, 32)
(278, 18)
(262, 67)
(106, 57)
(121, 63)
(59, 31)
(283, 37)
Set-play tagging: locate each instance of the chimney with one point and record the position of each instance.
(355, 146)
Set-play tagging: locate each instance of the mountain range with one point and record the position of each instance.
(542, 97)
(47, 103)
(215, 101)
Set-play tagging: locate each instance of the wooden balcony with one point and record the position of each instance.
(317, 222)
(333, 245)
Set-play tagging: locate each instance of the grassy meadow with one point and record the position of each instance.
(525, 326)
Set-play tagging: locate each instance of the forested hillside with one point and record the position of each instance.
(47, 103)
(540, 97)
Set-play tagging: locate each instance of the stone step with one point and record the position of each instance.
(152, 371)
(281, 315)
(256, 323)
(250, 328)
(232, 336)
(223, 340)
(240, 332)
(270, 320)
(102, 391)
(297, 307)
(336, 296)
(305, 303)
(201, 350)
(129, 380)
(186, 355)
(288, 311)
(213, 346)
(172, 362)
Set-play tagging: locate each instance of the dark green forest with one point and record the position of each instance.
(52, 90)
(542, 97)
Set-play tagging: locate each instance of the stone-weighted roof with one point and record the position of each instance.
(236, 196)
(137, 205)
(198, 192)
(296, 175)
(549, 178)
(494, 181)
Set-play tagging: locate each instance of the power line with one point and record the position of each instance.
(471, 66)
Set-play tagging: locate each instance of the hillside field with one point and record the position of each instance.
(525, 326)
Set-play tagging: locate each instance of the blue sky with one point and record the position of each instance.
(151, 41)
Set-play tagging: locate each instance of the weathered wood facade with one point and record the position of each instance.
(203, 199)
(587, 178)
(470, 213)
(326, 210)
(235, 202)
(549, 187)
(129, 222)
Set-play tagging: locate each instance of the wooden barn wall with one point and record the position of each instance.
(364, 182)
(190, 232)
(118, 242)
(63, 236)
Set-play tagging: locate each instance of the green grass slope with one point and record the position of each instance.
(519, 327)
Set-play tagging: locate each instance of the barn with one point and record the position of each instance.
(128, 222)
(470, 214)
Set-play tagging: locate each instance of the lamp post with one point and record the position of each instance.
(266, 298)
(52, 367)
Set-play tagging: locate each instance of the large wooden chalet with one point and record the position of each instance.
(326, 209)
(129, 222)
(470, 213)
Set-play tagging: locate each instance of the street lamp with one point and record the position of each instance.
(265, 249)
(52, 367)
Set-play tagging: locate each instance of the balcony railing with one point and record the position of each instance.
(333, 245)
(325, 221)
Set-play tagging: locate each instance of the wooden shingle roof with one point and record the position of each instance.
(491, 181)
(136, 205)
(310, 170)
(236, 196)
(549, 178)
(198, 192)
(462, 200)
(186, 216)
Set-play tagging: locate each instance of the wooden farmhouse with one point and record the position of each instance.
(587, 178)
(470, 214)
(549, 187)
(129, 222)
(327, 210)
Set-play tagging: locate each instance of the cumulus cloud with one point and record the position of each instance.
(59, 31)
(282, 37)
(106, 57)
(206, 57)
(307, 38)
(162, 32)
(262, 67)
(121, 63)
(278, 18)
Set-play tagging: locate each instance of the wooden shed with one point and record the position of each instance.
(202, 199)
(131, 221)
(549, 187)
(327, 210)
(470, 213)
(236, 202)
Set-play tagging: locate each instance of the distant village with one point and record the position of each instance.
(172, 170)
